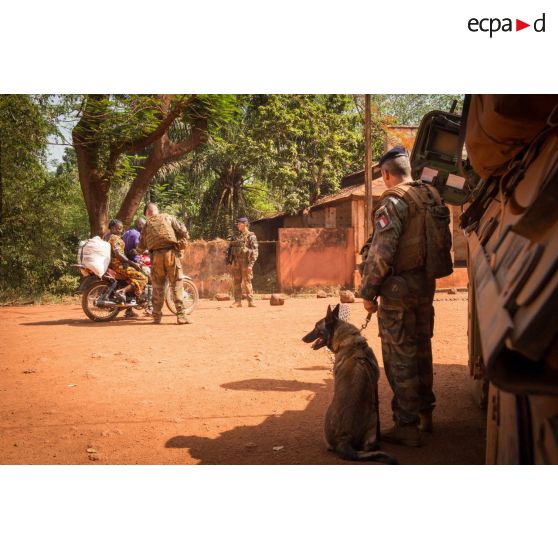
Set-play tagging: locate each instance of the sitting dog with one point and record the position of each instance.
(352, 421)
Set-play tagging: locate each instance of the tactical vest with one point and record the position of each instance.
(159, 232)
(239, 247)
(425, 242)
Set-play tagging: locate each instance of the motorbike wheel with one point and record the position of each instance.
(96, 313)
(191, 297)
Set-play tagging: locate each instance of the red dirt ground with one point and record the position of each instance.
(227, 389)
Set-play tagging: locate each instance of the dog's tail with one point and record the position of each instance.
(346, 451)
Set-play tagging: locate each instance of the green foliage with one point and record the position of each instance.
(43, 215)
(273, 153)
(65, 285)
(409, 109)
(123, 141)
(45, 225)
(265, 153)
(308, 143)
(125, 119)
(180, 195)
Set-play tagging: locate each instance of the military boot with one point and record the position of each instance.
(236, 304)
(156, 319)
(183, 319)
(251, 304)
(404, 435)
(425, 424)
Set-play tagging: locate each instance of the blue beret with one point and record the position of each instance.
(392, 154)
(242, 220)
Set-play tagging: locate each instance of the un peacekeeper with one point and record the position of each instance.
(161, 235)
(394, 269)
(242, 255)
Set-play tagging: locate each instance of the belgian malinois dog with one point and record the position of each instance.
(352, 421)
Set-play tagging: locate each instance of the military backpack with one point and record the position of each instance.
(426, 241)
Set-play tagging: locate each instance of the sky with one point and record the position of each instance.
(55, 153)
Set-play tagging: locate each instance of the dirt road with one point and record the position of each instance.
(238, 386)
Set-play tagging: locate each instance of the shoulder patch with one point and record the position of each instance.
(400, 205)
(383, 220)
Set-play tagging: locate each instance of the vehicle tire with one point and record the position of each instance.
(93, 312)
(191, 297)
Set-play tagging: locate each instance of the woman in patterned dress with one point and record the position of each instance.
(124, 268)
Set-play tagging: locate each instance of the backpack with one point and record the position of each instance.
(435, 214)
(159, 232)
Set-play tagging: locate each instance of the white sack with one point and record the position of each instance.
(94, 254)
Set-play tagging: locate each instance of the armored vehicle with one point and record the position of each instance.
(499, 161)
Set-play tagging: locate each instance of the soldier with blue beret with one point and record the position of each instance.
(395, 269)
(393, 153)
(242, 255)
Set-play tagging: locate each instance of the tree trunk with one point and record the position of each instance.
(139, 189)
(231, 180)
(94, 185)
(95, 191)
(98, 207)
(95, 175)
(1, 191)
(162, 152)
(316, 187)
(96, 199)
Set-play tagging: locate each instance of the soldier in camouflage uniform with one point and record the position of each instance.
(242, 255)
(394, 269)
(162, 235)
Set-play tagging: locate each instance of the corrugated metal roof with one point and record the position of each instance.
(356, 191)
(270, 216)
(358, 177)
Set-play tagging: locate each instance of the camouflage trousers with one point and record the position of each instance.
(406, 327)
(166, 267)
(242, 281)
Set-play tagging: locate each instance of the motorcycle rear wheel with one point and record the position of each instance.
(191, 297)
(96, 313)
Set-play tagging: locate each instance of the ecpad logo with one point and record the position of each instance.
(494, 24)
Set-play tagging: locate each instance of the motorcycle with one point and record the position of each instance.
(101, 303)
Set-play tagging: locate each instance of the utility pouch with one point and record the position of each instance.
(394, 287)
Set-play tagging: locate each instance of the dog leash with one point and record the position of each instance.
(366, 322)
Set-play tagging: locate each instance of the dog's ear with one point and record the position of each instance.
(332, 315)
(336, 312)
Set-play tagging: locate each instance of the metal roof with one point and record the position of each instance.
(356, 191)
(350, 192)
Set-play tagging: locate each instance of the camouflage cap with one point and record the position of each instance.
(242, 220)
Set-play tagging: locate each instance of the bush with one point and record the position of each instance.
(65, 285)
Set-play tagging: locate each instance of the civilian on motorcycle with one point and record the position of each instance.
(131, 240)
(124, 268)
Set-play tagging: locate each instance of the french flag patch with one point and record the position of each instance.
(382, 221)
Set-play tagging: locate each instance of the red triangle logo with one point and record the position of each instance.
(519, 25)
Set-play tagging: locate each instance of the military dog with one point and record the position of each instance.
(352, 421)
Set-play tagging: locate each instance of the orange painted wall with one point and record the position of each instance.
(315, 257)
(204, 262)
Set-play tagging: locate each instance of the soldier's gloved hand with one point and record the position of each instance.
(371, 306)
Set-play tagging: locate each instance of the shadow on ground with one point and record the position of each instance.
(119, 321)
(85, 322)
(297, 435)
